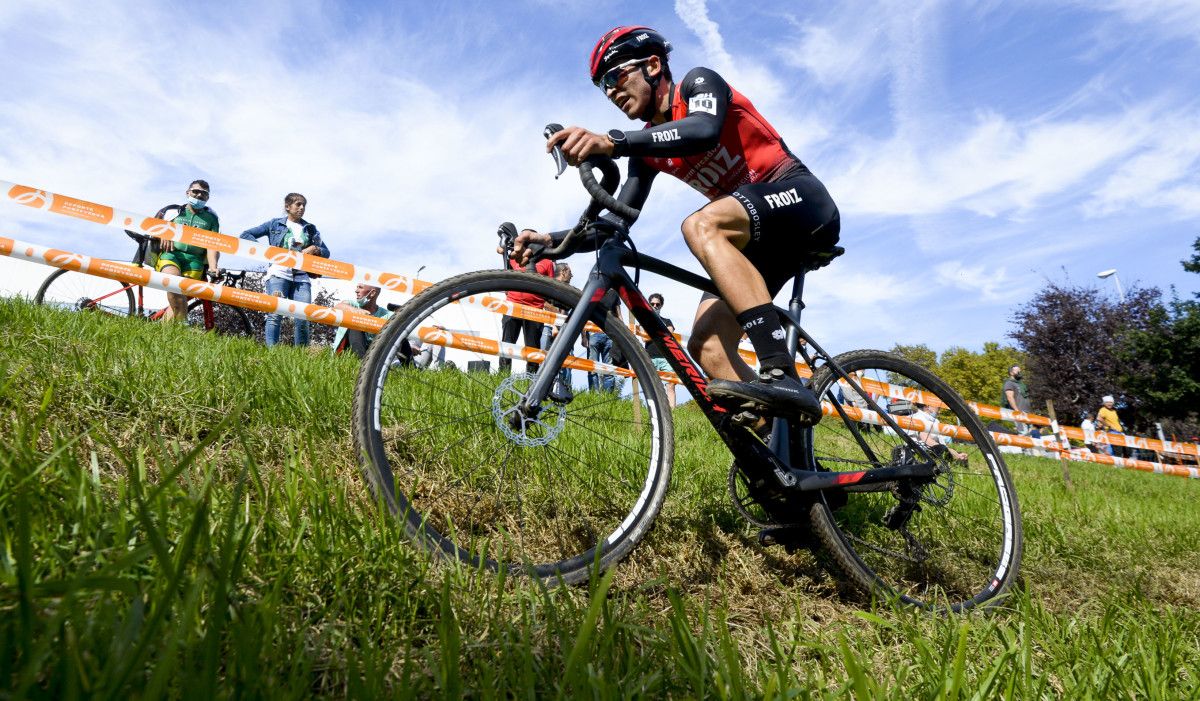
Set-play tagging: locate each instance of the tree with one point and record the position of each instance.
(1168, 353)
(979, 376)
(1071, 337)
(920, 354)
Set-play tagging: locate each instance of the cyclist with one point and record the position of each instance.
(175, 258)
(765, 208)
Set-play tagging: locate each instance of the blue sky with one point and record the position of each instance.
(976, 150)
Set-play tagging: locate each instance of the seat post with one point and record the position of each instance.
(779, 442)
(795, 306)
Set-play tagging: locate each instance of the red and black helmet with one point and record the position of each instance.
(622, 44)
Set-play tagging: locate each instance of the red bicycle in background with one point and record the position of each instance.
(70, 289)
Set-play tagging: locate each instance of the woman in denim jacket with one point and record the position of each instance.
(293, 233)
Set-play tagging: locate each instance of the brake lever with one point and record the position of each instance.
(560, 160)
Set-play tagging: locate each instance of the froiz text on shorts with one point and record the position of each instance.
(783, 199)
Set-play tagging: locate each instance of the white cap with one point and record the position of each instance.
(1106, 399)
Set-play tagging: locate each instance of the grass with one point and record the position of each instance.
(181, 515)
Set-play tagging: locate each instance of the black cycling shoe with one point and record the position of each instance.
(775, 394)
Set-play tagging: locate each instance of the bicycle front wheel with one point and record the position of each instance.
(71, 289)
(474, 479)
(948, 544)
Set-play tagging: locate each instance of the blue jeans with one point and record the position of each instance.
(600, 349)
(298, 291)
(564, 375)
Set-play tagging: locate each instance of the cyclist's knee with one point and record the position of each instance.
(699, 229)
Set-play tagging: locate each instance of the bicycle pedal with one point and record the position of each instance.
(745, 419)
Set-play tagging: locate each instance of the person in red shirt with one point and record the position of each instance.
(765, 209)
(511, 327)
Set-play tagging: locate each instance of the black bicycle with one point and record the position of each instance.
(900, 484)
(78, 291)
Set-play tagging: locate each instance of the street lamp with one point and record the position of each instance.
(418, 275)
(1112, 272)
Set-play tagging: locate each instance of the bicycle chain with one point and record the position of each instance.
(738, 504)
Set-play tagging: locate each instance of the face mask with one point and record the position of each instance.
(364, 300)
(1019, 375)
(197, 203)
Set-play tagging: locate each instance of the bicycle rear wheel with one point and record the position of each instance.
(949, 544)
(227, 320)
(579, 485)
(71, 289)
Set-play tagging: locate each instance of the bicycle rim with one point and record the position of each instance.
(76, 291)
(950, 544)
(438, 444)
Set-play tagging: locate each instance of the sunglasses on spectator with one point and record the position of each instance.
(202, 194)
(609, 80)
(656, 305)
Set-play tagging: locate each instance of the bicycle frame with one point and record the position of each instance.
(750, 453)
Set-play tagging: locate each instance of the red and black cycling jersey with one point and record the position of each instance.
(715, 141)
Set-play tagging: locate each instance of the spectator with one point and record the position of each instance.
(851, 397)
(1089, 431)
(425, 355)
(656, 355)
(175, 258)
(1015, 396)
(599, 349)
(932, 438)
(1107, 420)
(511, 327)
(366, 300)
(293, 233)
(562, 273)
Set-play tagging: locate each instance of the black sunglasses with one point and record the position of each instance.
(609, 80)
(202, 194)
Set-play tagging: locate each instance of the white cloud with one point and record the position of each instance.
(988, 282)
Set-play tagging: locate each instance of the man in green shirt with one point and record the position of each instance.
(176, 258)
(366, 297)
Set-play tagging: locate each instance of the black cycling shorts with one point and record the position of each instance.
(787, 219)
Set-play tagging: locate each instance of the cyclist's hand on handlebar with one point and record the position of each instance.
(578, 143)
(521, 252)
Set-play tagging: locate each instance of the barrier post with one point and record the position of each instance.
(1063, 443)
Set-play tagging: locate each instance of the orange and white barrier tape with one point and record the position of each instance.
(257, 301)
(1049, 444)
(121, 219)
(129, 274)
(1084, 455)
(232, 245)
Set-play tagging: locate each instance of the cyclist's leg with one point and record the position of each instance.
(714, 341)
(301, 292)
(716, 234)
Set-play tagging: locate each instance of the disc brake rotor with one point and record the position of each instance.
(519, 427)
